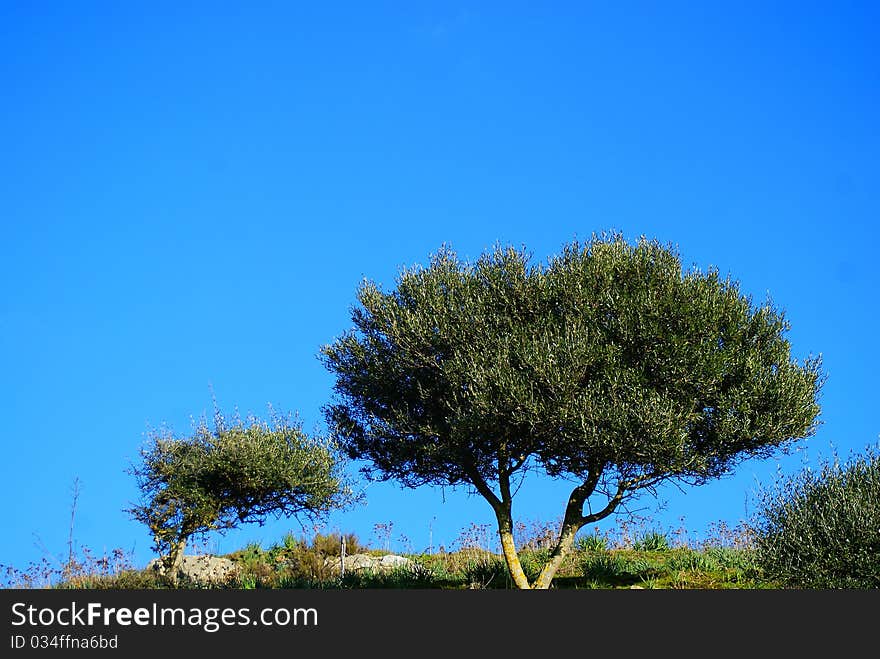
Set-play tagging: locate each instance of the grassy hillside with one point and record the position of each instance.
(621, 560)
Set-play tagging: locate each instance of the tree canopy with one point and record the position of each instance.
(609, 365)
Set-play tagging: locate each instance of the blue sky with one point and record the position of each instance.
(191, 193)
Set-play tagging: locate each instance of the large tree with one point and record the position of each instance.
(608, 365)
(237, 472)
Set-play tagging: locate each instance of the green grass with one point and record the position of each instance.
(630, 557)
(295, 563)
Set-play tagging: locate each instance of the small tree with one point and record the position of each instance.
(235, 473)
(608, 366)
(821, 528)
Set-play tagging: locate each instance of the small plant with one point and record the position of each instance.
(652, 541)
(439, 566)
(591, 543)
(720, 534)
(251, 554)
(536, 534)
(84, 570)
(649, 583)
(331, 544)
(680, 534)
(290, 542)
(383, 532)
(604, 567)
(474, 536)
(627, 530)
(485, 572)
(679, 580)
(637, 565)
(247, 583)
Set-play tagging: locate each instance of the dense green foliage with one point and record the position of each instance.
(237, 472)
(821, 528)
(608, 365)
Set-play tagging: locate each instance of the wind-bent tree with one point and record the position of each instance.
(235, 473)
(609, 365)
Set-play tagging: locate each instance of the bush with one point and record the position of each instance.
(591, 543)
(331, 545)
(603, 567)
(486, 572)
(652, 542)
(821, 529)
(613, 569)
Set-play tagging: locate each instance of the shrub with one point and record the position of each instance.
(821, 529)
(486, 572)
(331, 545)
(606, 567)
(591, 543)
(652, 542)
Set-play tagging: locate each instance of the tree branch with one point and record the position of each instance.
(639, 482)
(471, 471)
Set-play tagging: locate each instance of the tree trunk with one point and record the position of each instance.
(508, 546)
(171, 563)
(563, 545)
(502, 508)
